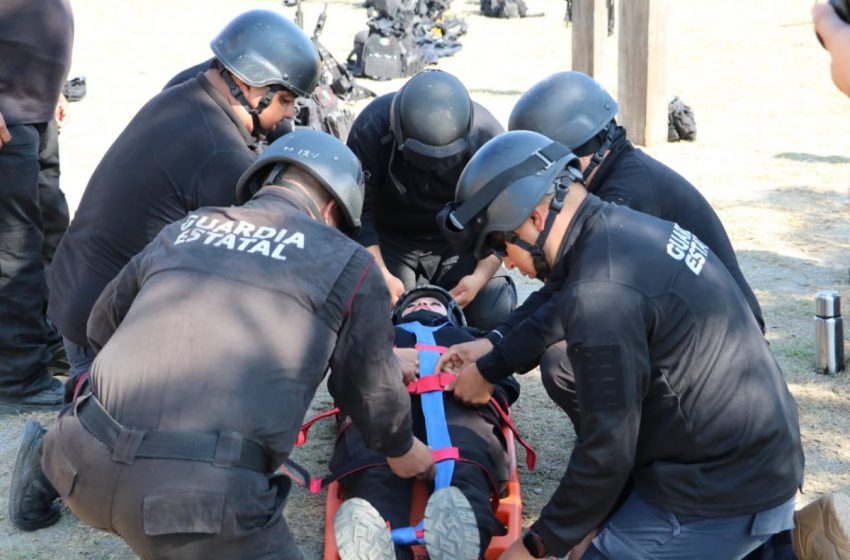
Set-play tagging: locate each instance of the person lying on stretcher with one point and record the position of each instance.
(459, 520)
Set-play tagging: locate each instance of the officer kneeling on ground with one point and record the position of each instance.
(212, 342)
(689, 444)
(184, 149)
(575, 110)
(413, 144)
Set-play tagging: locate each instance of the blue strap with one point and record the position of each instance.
(436, 429)
(407, 535)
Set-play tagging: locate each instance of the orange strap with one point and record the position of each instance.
(302, 433)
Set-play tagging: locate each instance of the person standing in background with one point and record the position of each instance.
(36, 39)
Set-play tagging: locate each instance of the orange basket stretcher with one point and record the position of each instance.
(509, 511)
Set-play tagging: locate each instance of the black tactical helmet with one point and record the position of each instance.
(502, 184)
(568, 107)
(432, 115)
(321, 155)
(263, 48)
(454, 312)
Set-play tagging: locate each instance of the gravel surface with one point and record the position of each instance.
(771, 155)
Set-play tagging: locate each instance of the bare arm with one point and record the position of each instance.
(469, 286)
(395, 285)
(836, 38)
(5, 136)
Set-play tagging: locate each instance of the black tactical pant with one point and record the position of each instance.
(168, 509)
(54, 208)
(432, 261)
(55, 215)
(24, 353)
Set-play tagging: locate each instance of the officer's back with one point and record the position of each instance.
(709, 386)
(248, 353)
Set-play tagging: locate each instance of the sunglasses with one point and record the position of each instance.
(497, 242)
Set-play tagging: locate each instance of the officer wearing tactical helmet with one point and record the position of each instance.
(183, 150)
(574, 110)
(684, 413)
(211, 344)
(413, 144)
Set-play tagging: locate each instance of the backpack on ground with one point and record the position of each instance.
(680, 121)
(504, 8)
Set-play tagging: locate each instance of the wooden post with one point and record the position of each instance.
(589, 29)
(642, 70)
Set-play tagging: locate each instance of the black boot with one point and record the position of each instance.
(31, 496)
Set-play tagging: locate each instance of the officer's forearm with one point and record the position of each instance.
(488, 266)
(375, 250)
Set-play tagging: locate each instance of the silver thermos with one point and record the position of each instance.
(829, 332)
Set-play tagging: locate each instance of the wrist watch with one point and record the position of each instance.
(533, 543)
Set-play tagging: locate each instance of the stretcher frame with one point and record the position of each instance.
(509, 511)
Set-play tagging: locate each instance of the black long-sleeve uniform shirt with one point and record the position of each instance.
(230, 319)
(184, 149)
(36, 40)
(676, 385)
(631, 178)
(413, 212)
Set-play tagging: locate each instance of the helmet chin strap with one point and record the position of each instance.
(541, 266)
(600, 153)
(257, 130)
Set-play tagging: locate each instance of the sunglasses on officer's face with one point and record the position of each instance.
(497, 242)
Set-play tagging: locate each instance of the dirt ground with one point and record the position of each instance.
(771, 156)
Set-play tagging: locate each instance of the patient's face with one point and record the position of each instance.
(424, 304)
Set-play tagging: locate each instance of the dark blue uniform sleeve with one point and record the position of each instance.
(522, 338)
(365, 379)
(365, 140)
(607, 347)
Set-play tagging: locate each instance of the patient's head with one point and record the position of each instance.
(425, 303)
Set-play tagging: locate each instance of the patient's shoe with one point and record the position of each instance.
(361, 533)
(451, 532)
(822, 529)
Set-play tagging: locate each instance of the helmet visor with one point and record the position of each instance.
(461, 237)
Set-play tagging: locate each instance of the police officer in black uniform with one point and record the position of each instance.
(185, 149)
(413, 145)
(573, 109)
(678, 393)
(212, 342)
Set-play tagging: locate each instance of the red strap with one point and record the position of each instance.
(445, 454)
(79, 384)
(430, 383)
(315, 486)
(302, 433)
(431, 348)
(530, 455)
